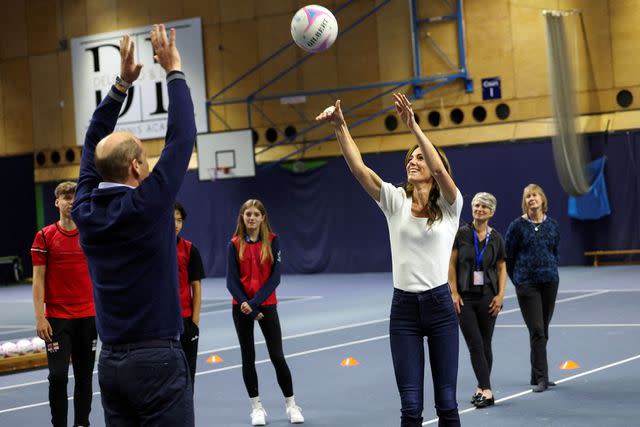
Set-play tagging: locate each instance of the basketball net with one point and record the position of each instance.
(216, 173)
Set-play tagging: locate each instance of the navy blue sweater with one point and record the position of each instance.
(532, 256)
(128, 235)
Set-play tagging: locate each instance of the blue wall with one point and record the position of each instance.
(329, 224)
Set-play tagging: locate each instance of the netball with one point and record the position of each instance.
(314, 28)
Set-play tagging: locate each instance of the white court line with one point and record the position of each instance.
(320, 331)
(302, 353)
(227, 368)
(300, 299)
(304, 334)
(580, 325)
(386, 319)
(560, 301)
(522, 393)
(13, 331)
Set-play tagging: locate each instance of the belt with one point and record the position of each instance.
(157, 343)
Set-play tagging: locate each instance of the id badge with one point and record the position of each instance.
(478, 278)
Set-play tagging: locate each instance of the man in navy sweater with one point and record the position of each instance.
(125, 218)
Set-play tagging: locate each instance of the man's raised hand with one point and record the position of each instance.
(165, 50)
(129, 70)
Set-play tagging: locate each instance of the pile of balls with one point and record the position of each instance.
(23, 346)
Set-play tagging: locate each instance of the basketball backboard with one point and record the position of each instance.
(224, 155)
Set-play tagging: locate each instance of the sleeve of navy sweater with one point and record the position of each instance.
(159, 190)
(234, 285)
(511, 248)
(102, 124)
(274, 279)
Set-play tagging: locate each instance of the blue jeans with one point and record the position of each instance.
(414, 316)
(145, 384)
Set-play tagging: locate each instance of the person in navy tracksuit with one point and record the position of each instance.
(127, 232)
(253, 273)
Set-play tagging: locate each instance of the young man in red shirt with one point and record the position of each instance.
(67, 324)
(190, 274)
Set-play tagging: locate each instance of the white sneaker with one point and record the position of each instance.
(295, 415)
(258, 417)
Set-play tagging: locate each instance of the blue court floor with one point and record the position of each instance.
(327, 318)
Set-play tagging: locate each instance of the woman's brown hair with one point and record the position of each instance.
(433, 210)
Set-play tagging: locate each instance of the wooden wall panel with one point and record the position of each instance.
(66, 98)
(214, 67)
(231, 11)
(3, 142)
(357, 52)
(395, 58)
(239, 55)
(16, 98)
(273, 33)
(319, 72)
(74, 18)
(489, 45)
(13, 31)
(47, 116)
(589, 35)
(101, 16)
(132, 14)
(42, 26)
(529, 47)
(161, 11)
(439, 46)
(625, 39)
(208, 10)
(277, 7)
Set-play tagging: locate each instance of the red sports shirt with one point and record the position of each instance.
(67, 285)
(183, 250)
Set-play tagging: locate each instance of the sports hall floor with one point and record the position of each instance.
(326, 318)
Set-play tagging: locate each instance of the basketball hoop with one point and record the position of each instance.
(220, 172)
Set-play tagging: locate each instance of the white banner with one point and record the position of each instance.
(96, 63)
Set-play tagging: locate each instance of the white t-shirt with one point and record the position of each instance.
(420, 253)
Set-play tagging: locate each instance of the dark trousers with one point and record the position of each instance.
(145, 384)
(270, 327)
(537, 302)
(477, 328)
(75, 338)
(414, 316)
(189, 340)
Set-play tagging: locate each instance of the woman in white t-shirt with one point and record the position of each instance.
(423, 218)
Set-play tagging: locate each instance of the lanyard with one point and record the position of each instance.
(478, 252)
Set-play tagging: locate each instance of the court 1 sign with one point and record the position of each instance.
(491, 88)
(96, 63)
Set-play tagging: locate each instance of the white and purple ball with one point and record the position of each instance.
(314, 28)
(24, 346)
(38, 344)
(10, 349)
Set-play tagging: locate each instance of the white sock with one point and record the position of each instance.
(255, 402)
(290, 401)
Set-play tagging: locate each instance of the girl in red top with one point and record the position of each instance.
(253, 274)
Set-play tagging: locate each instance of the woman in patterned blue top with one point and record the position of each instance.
(532, 242)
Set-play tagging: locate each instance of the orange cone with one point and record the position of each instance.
(349, 361)
(569, 364)
(215, 359)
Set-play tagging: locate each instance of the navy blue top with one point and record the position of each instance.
(235, 286)
(532, 256)
(128, 235)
